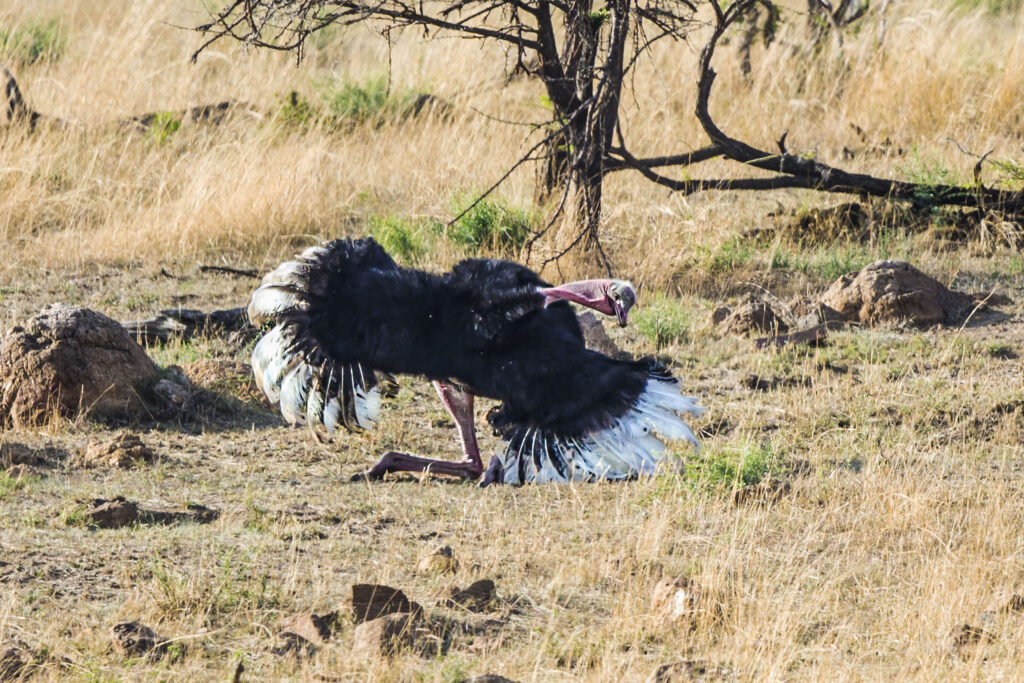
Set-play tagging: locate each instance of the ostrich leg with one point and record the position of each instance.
(459, 405)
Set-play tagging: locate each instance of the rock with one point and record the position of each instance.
(134, 639)
(371, 601)
(675, 599)
(753, 316)
(67, 361)
(171, 393)
(117, 513)
(476, 598)
(895, 292)
(14, 658)
(813, 314)
(315, 628)
(190, 513)
(112, 514)
(594, 334)
(124, 450)
(489, 678)
(384, 636)
(440, 561)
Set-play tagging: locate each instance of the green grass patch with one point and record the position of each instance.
(729, 255)
(342, 105)
(9, 484)
(406, 239)
(663, 320)
(165, 124)
(33, 41)
(490, 223)
(731, 467)
(372, 101)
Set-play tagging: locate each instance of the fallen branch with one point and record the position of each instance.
(808, 173)
(230, 271)
(184, 323)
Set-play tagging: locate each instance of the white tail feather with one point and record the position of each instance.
(628, 448)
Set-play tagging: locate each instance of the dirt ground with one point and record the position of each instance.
(894, 524)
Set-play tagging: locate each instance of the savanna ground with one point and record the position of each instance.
(904, 513)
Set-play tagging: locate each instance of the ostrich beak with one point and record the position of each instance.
(621, 313)
(625, 297)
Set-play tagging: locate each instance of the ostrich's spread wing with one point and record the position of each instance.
(571, 414)
(294, 365)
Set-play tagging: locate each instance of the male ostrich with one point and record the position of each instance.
(346, 313)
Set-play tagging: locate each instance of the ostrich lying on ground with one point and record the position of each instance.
(345, 313)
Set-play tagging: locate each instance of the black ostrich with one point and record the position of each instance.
(346, 314)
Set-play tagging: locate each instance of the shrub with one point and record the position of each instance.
(371, 101)
(32, 42)
(490, 223)
(405, 239)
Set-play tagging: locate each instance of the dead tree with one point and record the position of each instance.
(583, 55)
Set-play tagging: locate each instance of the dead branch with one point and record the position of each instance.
(230, 271)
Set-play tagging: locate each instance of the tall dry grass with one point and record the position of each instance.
(96, 193)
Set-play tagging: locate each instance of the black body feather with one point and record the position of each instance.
(482, 325)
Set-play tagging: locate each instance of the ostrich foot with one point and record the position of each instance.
(495, 473)
(393, 461)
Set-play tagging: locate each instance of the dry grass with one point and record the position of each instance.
(904, 515)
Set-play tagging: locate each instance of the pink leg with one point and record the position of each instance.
(459, 405)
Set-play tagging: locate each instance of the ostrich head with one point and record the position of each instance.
(610, 297)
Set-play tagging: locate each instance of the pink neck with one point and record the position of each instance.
(590, 293)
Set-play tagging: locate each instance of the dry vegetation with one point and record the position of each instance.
(902, 520)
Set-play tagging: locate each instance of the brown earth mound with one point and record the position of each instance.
(750, 316)
(68, 360)
(895, 292)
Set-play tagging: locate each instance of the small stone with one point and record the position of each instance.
(112, 514)
(316, 628)
(441, 561)
(675, 599)
(476, 598)
(383, 637)
(124, 450)
(133, 639)
(371, 601)
(172, 393)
